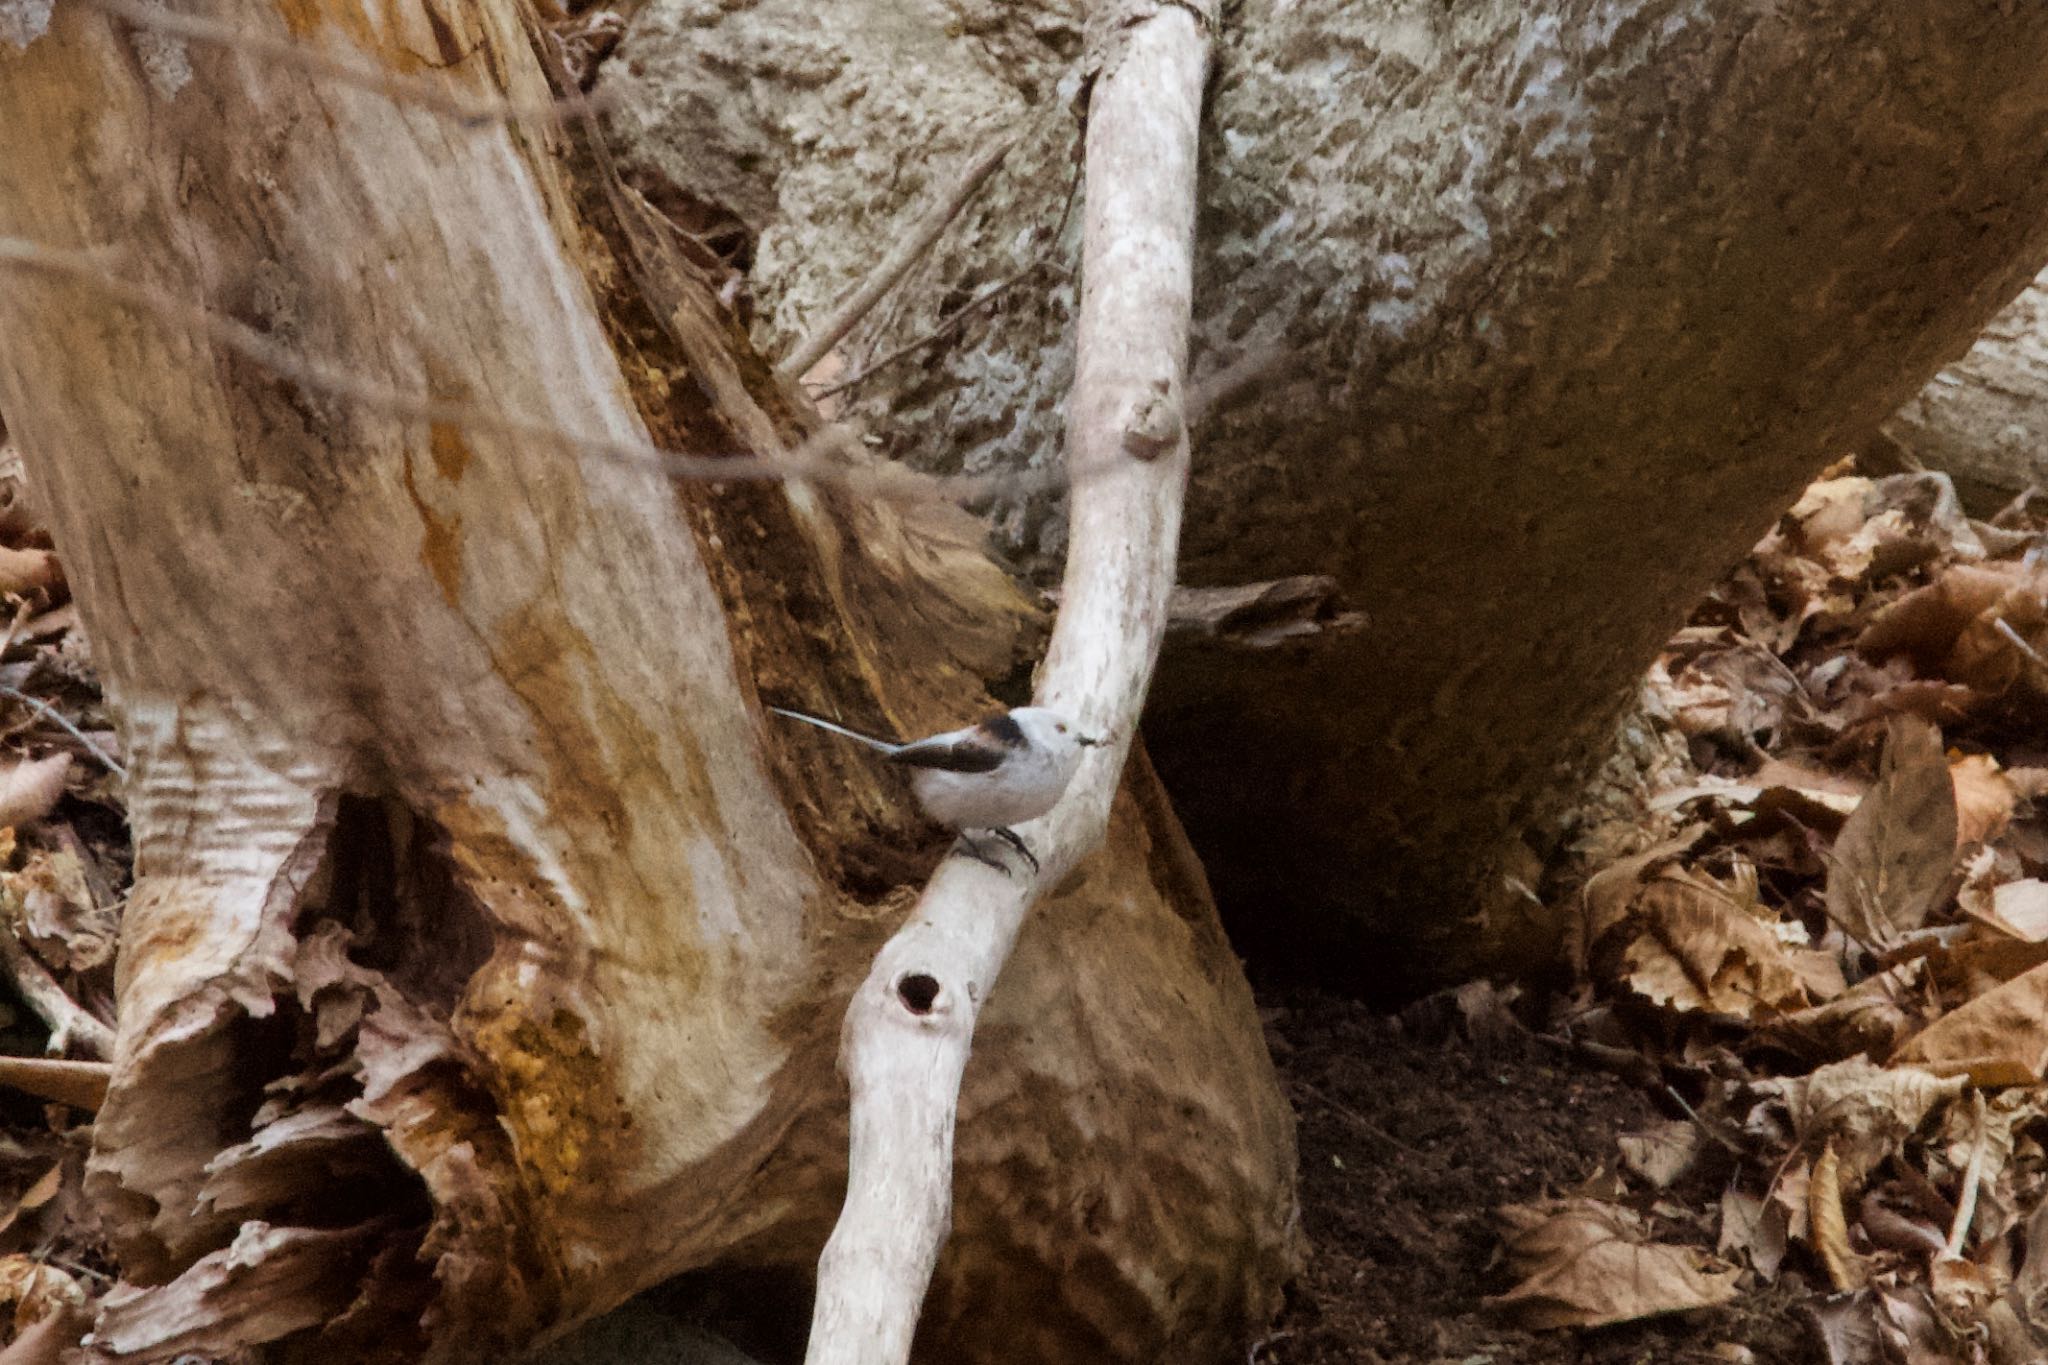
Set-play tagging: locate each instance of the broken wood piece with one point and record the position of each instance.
(82, 1085)
(1261, 615)
(68, 1021)
(31, 788)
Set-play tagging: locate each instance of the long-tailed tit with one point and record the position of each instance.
(1007, 769)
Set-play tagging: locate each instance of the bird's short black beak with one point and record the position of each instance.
(1086, 741)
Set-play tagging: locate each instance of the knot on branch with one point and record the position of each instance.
(1153, 425)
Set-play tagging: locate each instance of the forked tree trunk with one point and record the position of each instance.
(486, 958)
(1570, 300)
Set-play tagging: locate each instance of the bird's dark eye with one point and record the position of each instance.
(1061, 728)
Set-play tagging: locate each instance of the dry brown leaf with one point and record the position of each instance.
(36, 1289)
(1937, 703)
(1925, 623)
(1691, 945)
(24, 571)
(1986, 1136)
(1788, 1196)
(2000, 1038)
(1988, 657)
(31, 788)
(1759, 698)
(1661, 1152)
(1984, 799)
(1889, 1221)
(1956, 628)
(35, 1196)
(1895, 852)
(1582, 1263)
(1914, 1331)
(1828, 512)
(1962, 1288)
(1848, 1330)
(1830, 1227)
(1820, 971)
(1864, 530)
(1862, 1110)
(1897, 1324)
(1833, 790)
(1870, 1018)
(61, 919)
(2020, 909)
(1972, 967)
(1754, 1229)
(2030, 1285)
(1697, 706)
(1610, 891)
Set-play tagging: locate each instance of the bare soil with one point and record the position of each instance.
(1411, 1136)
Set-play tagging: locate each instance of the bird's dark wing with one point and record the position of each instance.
(962, 751)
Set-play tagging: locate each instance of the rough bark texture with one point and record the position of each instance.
(1984, 418)
(484, 963)
(1574, 299)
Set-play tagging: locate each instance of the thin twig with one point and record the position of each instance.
(1265, 1343)
(2004, 627)
(1973, 1176)
(73, 1267)
(808, 461)
(1709, 1129)
(68, 1020)
(893, 266)
(965, 310)
(1262, 355)
(57, 718)
(1356, 1119)
(433, 96)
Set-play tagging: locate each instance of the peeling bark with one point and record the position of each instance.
(1574, 299)
(463, 867)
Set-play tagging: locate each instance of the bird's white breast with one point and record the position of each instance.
(1025, 786)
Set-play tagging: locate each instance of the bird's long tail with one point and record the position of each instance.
(881, 745)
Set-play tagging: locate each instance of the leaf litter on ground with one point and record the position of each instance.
(64, 867)
(1832, 943)
(1828, 944)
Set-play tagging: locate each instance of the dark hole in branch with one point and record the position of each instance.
(917, 992)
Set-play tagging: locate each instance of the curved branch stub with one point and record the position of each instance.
(1153, 424)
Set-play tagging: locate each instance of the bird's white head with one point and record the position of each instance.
(1050, 730)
